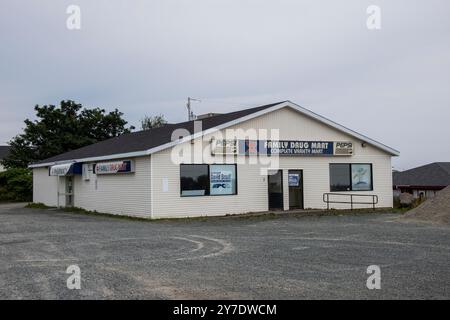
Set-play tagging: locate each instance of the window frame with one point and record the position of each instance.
(209, 180)
(193, 195)
(351, 178)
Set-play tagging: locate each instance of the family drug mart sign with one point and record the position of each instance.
(282, 147)
(298, 147)
(113, 167)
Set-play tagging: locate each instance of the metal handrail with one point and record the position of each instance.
(326, 199)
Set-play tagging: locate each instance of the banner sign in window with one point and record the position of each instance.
(294, 179)
(113, 167)
(361, 177)
(222, 179)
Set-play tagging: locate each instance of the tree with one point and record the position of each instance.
(16, 185)
(58, 130)
(153, 122)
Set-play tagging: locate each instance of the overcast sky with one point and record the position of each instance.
(147, 57)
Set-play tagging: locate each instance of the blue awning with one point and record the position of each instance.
(66, 169)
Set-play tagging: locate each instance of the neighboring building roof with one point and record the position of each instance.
(436, 174)
(4, 151)
(149, 141)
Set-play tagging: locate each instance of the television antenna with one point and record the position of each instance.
(191, 115)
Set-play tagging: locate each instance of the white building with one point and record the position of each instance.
(278, 156)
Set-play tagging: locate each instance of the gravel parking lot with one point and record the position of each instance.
(284, 257)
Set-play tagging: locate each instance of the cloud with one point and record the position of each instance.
(146, 57)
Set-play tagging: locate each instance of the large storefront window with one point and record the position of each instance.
(350, 177)
(222, 179)
(194, 179)
(205, 180)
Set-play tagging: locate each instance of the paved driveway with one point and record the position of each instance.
(243, 258)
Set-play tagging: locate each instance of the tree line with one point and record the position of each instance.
(59, 129)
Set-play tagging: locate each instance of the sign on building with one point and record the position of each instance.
(294, 179)
(113, 167)
(343, 148)
(295, 148)
(224, 147)
(65, 169)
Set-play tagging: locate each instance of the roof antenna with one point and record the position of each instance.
(191, 115)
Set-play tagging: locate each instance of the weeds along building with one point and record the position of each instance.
(278, 156)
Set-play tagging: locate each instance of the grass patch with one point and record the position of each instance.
(260, 216)
(77, 210)
(401, 210)
(102, 214)
(39, 205)
(84, 212)
(336, 212)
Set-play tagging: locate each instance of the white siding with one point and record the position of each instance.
(425, 193)
(125, 194)
(44, 187)
(252, 192)
(252, 186)
(2, 168)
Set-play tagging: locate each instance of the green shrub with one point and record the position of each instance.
(38, 205)
(16, 184)
(397, 203)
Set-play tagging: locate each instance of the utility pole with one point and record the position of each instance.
(191, 115)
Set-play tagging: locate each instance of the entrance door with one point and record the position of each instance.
(275, 188)
(295, 181)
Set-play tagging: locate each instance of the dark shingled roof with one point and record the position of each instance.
(144, 140)
(4, 151)
(435, 174)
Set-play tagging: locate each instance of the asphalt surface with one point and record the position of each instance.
(230, 258)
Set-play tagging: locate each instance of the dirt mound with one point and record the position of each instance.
(436, 209)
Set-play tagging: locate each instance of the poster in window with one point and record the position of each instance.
(294, 179)
(222, 179)
(361, 177)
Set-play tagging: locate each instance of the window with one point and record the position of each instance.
(350, 177)
(340, 177)
(362, 177)
(222, 178)
(194, 179)
(206, 180)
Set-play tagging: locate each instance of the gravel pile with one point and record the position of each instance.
(436, 209)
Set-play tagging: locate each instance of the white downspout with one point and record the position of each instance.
(151, 187)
